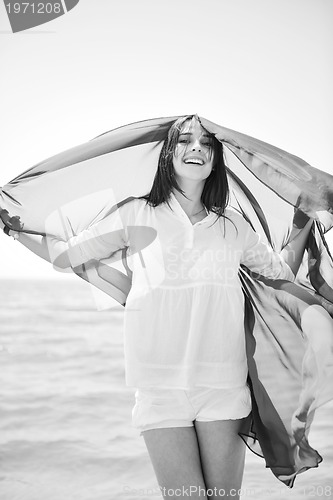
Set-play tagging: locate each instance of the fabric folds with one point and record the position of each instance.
(275, 191)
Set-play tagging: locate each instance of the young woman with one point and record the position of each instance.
(184, 317)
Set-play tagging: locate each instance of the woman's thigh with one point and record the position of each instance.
(174, 453)
(222, 453)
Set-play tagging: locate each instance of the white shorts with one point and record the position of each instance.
(157, 408)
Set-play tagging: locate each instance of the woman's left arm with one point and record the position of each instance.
(293, 252)
(262, 259)
(259, 257)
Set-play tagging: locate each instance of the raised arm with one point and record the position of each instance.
(261, 258)
(293, 252)
(100, 241)
(35, 243)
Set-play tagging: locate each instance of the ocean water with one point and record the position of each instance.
(65, 412)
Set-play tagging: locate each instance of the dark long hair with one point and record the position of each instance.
(215, 194)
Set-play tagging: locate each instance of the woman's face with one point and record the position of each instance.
(193, 155)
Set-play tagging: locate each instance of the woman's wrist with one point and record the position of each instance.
(11, 232)
(6, 230)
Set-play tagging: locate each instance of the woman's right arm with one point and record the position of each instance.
(40, 245)
(37, 244)
(98, 242)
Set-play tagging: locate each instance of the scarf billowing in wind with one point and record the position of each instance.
(71, 191)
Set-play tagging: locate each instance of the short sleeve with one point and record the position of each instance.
(102, 239)
(261, 258)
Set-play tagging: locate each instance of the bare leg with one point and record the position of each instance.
(222, 454)
(174, 453)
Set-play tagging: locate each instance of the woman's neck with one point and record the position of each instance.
(192, 204)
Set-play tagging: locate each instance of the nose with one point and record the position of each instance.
(196, 146)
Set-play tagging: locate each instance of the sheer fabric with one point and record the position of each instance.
(70, 193)
(183, 320)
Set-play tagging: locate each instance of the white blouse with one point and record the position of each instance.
(184, 316)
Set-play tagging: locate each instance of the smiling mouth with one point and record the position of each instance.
(194, 161)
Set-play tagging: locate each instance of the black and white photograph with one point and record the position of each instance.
(166, 250)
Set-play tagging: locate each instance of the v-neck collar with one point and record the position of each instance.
(176, 206)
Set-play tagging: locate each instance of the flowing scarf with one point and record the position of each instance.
(275, 191)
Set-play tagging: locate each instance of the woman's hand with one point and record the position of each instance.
(9, 232)
(12, 224)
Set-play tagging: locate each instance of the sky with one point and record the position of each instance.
(261, 67)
